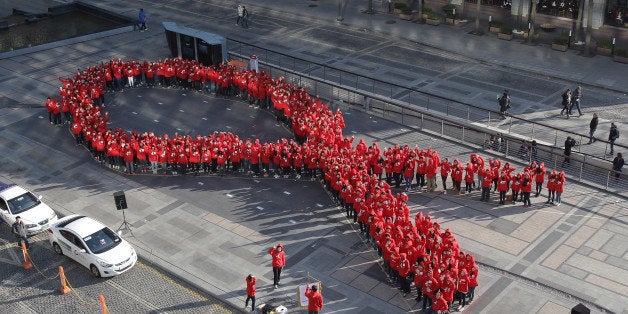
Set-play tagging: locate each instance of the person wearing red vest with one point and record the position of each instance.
(551, 187)
(469, 177)
(250, 291)
(516, 187)
(314, 299)
(279, 261)
(404, 270)
(445, 169)
(473, 282)
(128, 159)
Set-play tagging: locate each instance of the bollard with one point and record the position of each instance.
(64, 287)
(27, 260)
(103, 305)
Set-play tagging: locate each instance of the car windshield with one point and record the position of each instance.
(23, 203)
(102, 241)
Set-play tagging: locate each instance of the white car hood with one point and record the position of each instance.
(118, 254)
(36, 214)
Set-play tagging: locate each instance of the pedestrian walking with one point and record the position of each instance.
(142, 20)
(569, 144)
(592, 128)
(240, 12)
(504, 103)
(618, 163)
(612, 136)
(279, 261)
(314, 299)
(566, 102)
(250, 292)
(245, 17)
(19, 230)
(575, 100)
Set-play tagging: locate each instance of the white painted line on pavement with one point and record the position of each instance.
(256, 181)
(184, 94)
(139, 96)
(286, 192)
(156, 120)
(292, 221)
(229, 195)
(319, 205)
(260, 207)
(40, 117)
(160, 103)
(133, 112)
(178, 129)
(205, 101)
(181, 110)
(229, 109)
(200, 183)
(228, 127)
(204, 119)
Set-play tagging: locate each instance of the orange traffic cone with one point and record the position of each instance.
(27, 260)
(103, 305)
(64, 286)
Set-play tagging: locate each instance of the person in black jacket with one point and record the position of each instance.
(612, 136)
(19, 230)
(569, 144)
(592, 128)
(566, 102)
(618, 163)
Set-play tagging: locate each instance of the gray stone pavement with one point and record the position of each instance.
(578, 248)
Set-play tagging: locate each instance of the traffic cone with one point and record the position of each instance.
(27, 260)
(64, 287)
(103, 305)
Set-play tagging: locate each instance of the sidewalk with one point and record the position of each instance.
(213, 232)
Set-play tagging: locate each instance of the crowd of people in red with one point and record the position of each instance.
(413, 250)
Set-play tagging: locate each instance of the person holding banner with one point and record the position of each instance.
(314, 299)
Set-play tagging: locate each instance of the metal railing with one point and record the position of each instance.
(472, 128)
(413, 98)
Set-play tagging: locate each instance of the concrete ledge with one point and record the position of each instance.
(65, 42)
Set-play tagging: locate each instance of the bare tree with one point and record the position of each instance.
(576, 35)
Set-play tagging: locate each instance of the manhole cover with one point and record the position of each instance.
(391, 22)
(313, 5)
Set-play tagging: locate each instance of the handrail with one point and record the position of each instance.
(490, 112)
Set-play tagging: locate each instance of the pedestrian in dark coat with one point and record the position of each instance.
(612, 136)
(618, 163)
(569, 144)
(566, 102)
(592, 128)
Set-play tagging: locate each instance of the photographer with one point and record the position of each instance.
(504, 103)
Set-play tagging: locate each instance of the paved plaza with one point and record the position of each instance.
(213, 231)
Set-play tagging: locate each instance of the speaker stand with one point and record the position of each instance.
(124, 226)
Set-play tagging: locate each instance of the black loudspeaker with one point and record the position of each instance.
(120, 200)
(580, 309)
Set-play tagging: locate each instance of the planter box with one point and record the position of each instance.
(604, 51)
(432, 22)
(558, 47)
(620, 59)
(406, 17)
(504, 36)
(494, 29)
(452, 21)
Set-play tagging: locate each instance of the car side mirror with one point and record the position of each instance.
(82, 250)
(40, 197)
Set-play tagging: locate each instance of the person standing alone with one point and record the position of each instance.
(279, 261)
(19, 230)
(250, 292)
(314, 299)
(618, 163)
(142, 19)
(240, 14)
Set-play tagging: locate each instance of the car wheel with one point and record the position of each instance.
(94, 271)
(57, 248)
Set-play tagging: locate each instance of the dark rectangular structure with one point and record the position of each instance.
(193, 44)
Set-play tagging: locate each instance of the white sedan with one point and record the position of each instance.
(17, 201)
(92, 244)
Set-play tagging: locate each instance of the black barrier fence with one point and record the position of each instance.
(324, 79)
(583, 167)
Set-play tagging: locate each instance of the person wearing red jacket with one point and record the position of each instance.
(250, 291)
(439, 306)
(487, 181)
(559, 186)
(456, 176)
(403, 267)
(469, 177)
(429, 288)
(463, 289)
(279, 261)
(551, 190)
(445, 168)
(128, 159)
(502, 188)
(432, 169)
(314, 299)
(539, 178)
(516, 187)
(526, 189)
(473, 281)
